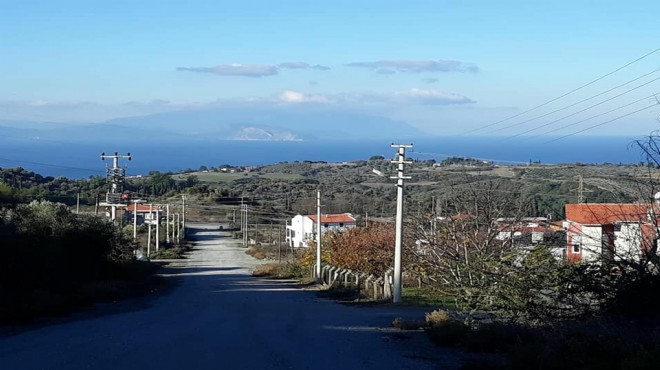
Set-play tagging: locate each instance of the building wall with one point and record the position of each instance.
(303, 229)
(300, 230)
(592, 242)
(628, 242)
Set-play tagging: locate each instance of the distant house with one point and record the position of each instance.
(531, 232)
(303, 228)
(609, 230)
(145, 214)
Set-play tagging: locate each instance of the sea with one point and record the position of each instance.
(81, 159)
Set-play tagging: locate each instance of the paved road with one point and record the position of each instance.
(219, 317)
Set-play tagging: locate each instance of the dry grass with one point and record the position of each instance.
(437, 318)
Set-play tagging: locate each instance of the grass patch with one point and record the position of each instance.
(342, 294)
(170, 253)
(595, 345)
(402, 324)
(426, 297)
(284, 270)
(269, 252)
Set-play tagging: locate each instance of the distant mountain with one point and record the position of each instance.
(272, 124)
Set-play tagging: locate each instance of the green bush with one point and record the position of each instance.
(498, 337)
(51, 255)
(451, 333)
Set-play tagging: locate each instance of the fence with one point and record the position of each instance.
(375, 287)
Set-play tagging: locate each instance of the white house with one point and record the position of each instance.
(609, 230)
(303, 228)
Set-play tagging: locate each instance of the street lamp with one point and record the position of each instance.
(400, 160)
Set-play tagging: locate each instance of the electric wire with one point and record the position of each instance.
(579, 102)
(600, 124)
(50, 165)
(565, 94)
(590, 118)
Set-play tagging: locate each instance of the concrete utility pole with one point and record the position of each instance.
(245, 226)
(167, 223)
(135, 220)
(318, 235)
(157, 229)
(244, 222)
(116, 176)
(400, 161)
(149, 233)
(178, 227)
(581, 189)
(183, 216)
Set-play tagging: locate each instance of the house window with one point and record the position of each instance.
(576, 248)
(325, 225)
(341, 224)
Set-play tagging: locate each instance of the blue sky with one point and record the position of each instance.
(446, 67)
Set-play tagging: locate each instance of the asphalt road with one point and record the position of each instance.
(220, 317)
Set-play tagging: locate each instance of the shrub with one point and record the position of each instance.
(437, 318)
(402, 324)
(450, 333)
(498, 337)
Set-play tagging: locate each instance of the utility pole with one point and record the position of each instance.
(167, 223)
(400, 161)
(178, 227)
(183, 216)
(115, 176)
(245, 234)
(149, 233)
(318, 235)
(173, 228)
(581, 189)
(78, 203)
(134, 220)
(157, 229)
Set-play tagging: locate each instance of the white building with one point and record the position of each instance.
(303, 228)
(613, 231)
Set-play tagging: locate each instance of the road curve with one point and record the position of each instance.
(220, 317)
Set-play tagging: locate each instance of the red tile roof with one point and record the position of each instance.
(607, 213)
(334, 218)
(140, 208)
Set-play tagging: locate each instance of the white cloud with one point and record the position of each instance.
(289, 96)
(302, 65)
(252, 70)
(417, 66)
(432, 97)
(245, 70)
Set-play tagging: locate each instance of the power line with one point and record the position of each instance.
(581, 101)
(592, 117)
(565, 94)
(49, 165)
(470, 157)
(600, 124)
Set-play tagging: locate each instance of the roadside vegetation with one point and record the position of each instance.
(54, 261)
(530, 309)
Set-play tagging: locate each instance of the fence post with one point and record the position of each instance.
(387, 289)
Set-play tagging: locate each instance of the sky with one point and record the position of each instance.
(445, 67)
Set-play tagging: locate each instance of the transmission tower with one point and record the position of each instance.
(116, 176)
